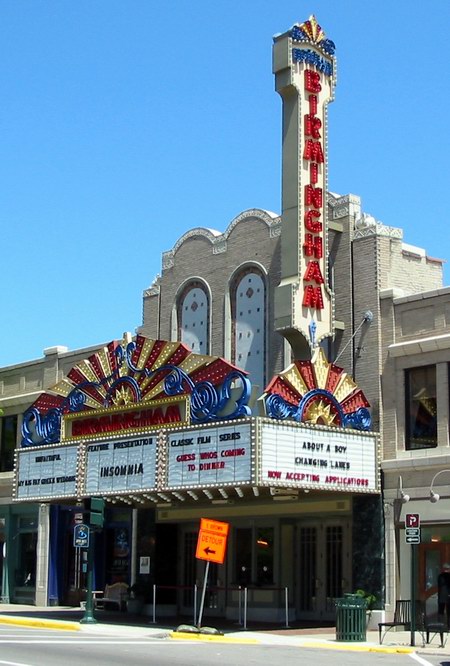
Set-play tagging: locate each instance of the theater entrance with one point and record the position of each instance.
(193, 571)
(324, 567)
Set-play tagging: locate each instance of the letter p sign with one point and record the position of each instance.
(412, 520)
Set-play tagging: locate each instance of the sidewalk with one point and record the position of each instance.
(125, 625)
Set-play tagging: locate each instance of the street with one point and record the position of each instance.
(36, 647)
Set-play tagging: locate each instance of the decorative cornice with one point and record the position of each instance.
(219, 246)
(167, 259)
(335, 200)
(343, 211)
(153, 290)
(378, 229)
(253, 213)
(349, 204)
(275, 229)
(218, 240)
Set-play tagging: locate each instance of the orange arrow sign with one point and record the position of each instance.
(212, 541)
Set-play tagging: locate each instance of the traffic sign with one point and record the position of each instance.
(212, 540)
(81, 536)
(412, 535)
(412, 520)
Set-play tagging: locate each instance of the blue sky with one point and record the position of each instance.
(126, 123)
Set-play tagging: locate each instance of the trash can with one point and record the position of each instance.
(351, 618)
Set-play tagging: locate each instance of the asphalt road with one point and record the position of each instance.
(38, 647)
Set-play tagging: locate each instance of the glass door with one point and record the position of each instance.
(193, 574)
(433, 559)
(324, 568)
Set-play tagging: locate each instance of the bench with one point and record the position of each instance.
(114, 595)
(402, 618)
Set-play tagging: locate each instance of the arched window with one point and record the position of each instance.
(193, 317)
(248, 305)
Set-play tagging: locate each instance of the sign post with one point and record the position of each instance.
(412, 536)
(88, 617)
(211, 546)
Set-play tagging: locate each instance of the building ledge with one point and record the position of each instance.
(420, 346)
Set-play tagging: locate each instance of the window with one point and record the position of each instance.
(193, 318)
(243, 556)
(254, 556)
(248, 298)
(421, 416)
(264, 556)
(8, 443)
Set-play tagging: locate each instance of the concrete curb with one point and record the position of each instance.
(185, 635)
(40, 623)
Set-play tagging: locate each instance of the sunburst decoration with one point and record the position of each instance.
(123, 397)
(317, 392)
(310, 31)
(134, 371)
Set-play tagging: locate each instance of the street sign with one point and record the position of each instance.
(412, 535)
(81, 536)
(212, 540)
(412, 520)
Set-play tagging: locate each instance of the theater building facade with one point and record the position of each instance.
(251, 393)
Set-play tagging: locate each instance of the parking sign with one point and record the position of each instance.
(412, 520)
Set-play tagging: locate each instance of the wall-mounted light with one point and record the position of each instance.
(404, 497)
(435, 497)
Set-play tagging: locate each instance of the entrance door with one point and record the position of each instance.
(432, 558)
(324, 568)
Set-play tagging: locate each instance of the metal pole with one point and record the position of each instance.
(202, 602)
(88, 617)
(286, 598)
(240, 605)
(245, 607)
(195, 603)
(413, 594)
(134, 533)
(154, 604)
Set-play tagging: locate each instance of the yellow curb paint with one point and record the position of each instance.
(355, 648)
(40, 623)
(211, 637)
(392, 650)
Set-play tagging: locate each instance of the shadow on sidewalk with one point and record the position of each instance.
(128, 619)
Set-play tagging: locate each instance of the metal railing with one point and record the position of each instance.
(213, 591)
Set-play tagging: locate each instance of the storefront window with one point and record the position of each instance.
(264, 556)
(244, 556)
(26, 573)
(254, 556)
(8, 443)
(421, 413)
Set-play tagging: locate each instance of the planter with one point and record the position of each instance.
(374, 617)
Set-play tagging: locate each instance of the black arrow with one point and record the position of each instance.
(208, 551)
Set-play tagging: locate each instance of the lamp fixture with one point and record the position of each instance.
(435, 497)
